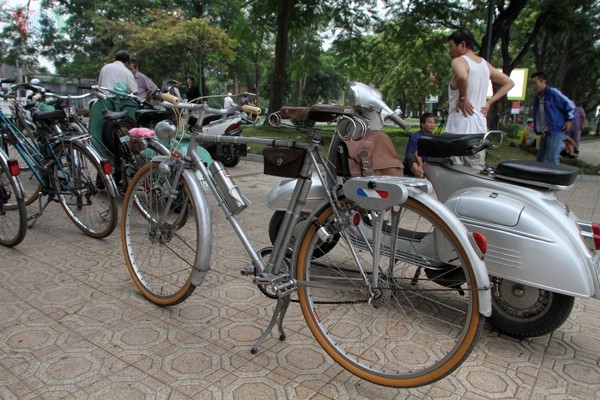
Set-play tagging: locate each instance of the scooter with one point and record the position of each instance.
(539, 257)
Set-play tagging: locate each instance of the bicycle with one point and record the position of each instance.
(370, 311)
(65, 169)
(13, 213)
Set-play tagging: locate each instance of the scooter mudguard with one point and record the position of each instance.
(96, 121)
(280, 195)
(535, 244)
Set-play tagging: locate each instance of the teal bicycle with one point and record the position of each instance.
(62, 167)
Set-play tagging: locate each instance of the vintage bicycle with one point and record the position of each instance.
(361, 292)
(66, 169)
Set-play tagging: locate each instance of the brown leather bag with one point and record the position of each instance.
(372, 155)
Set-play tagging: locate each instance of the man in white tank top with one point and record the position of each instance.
(467, 104)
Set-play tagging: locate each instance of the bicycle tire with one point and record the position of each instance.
(13, 212)
(31, 185)
(392, 341)
(74, 179)
(159, 255)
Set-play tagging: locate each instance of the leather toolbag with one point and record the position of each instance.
(372, 155)
(283, 162)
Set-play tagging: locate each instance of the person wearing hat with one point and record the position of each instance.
(228, 101)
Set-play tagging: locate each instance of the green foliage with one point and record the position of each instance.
(513, 131)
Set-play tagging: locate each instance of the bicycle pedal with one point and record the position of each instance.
(248, 271)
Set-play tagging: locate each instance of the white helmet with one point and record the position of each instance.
(35, 81)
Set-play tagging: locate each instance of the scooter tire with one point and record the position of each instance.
(230, 162)
(547, 314)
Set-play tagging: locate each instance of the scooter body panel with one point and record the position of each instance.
(533, 238)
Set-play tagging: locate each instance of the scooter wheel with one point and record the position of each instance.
(523, 311)
(230, 161)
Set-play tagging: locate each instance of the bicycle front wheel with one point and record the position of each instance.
(74, 178)
(159, 241)
(13, 213)
(411, 327)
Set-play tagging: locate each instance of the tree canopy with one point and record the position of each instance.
(276, 47)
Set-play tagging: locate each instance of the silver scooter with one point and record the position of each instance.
(539, 256)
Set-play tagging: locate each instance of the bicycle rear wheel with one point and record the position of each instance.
(159, 244)
(75, 176)
(423, 320)
(13, 213)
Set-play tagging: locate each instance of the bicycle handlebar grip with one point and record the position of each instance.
(170, 98)
(81, 86)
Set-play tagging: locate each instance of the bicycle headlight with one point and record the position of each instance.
(165, 130)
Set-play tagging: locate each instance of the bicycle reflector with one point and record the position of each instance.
(106, 167)
(13, 166)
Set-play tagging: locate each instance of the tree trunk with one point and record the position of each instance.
(281, 44)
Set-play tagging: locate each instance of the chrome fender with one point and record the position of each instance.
(202, 260)
(539, 245)
(462, 234)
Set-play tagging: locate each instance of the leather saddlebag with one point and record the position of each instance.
(372, 155)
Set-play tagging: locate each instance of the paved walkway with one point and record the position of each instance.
(73, 326)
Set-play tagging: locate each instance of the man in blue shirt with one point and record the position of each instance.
(552, 116)
(413, 164)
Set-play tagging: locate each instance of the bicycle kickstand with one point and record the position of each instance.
(283, 303)
(34, 217)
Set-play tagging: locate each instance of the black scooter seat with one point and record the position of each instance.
(448, 145)
(536, 173)
(50, 115)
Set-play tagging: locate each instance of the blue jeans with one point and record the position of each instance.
(550, 147)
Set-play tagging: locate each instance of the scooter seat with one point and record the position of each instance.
(448, 145)
(107, 114)
(536, 173)
(318, 112)
(50, 115)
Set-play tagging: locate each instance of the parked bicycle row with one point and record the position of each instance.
(391, 281)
